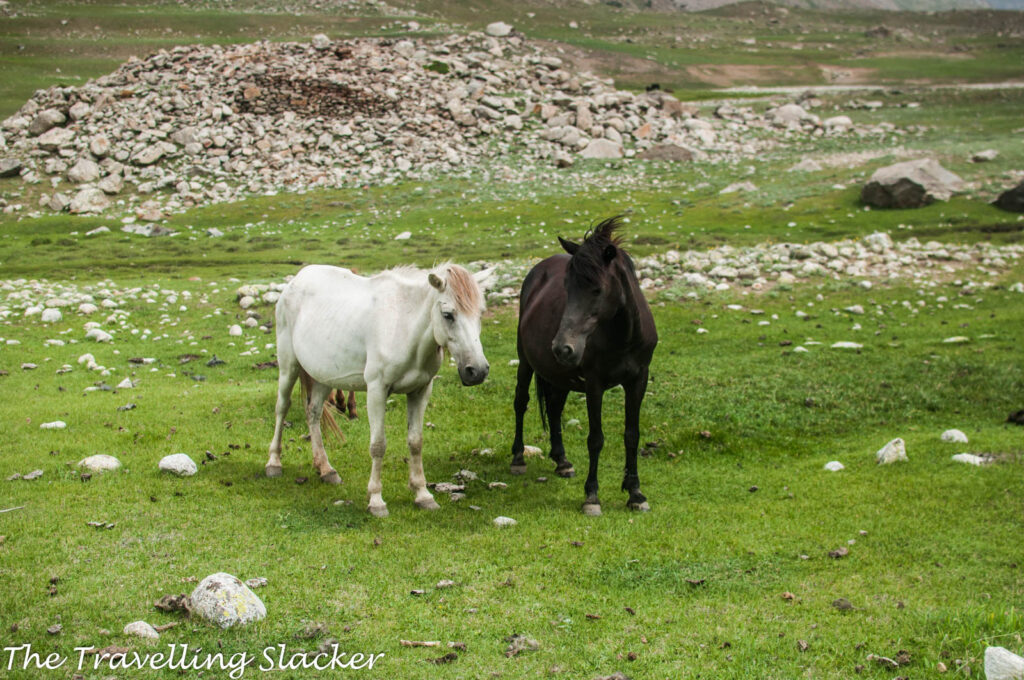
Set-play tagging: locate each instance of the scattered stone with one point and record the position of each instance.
(984, 156)
(969, 459)
(179, 464)
(235, 331)
(100, 462)
(10, 167)
(502, 521)
(834, 466)
(842, 604)
(55, 425)
(225, 601)
(404, 236)
(954, 436)
(956, 340)
(673, 153)
(50, 315)
(602, 149)
(141, 629)
(1002, 664)
(845, 344)
(839, 553)
(89, 200)
(498, 29)
(894, 451)
(910, 184)
(173, 603)
(257, 582)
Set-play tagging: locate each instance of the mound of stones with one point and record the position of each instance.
(201, 124)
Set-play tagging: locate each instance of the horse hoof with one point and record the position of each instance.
(378, 510)
(272, 470)
(331, 477)
(566, 472)
(592, 509)
(518, 469)
(640, 507)
(428, 504)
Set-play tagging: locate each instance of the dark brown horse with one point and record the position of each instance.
(585, 326)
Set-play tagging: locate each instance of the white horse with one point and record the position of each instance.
(385, 334)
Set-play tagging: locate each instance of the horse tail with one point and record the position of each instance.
(327, 415)
(542, 402)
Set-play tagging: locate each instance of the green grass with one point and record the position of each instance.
(959, 587)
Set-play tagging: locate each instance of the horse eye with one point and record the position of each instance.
(448, 316)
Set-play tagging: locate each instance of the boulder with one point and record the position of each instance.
(84, 171)
(1002, 664)
(666, 152)
(225, 601)
(1012, 199)
(911, 184)
(179, 464)
(53, 139)
(602, 148)
(499, 29)
(10, 167)
(46, 120)
(893, 451)
(89, 200)
(321, 42)
(101, 462)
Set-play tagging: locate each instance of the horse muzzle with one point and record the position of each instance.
(567, 354)
(473, 375)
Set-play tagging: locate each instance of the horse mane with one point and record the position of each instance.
(588, 263)
(465, 290)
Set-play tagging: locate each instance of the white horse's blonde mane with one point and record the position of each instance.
(465, 290)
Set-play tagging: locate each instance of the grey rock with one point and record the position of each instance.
(89, 200)
(53, 139)
(602, 148)
(225, 601)
(321, 41)
(100, 463)
(84, 171)
(111, 184)
(149, 155)
(179, 464)
(141, 629)
(1012, 199)
(99, 146)
(911, 184)
(79, 111)
(498, 29)
(10, 167)
(666, 152)
(46, 120)
(892, 452)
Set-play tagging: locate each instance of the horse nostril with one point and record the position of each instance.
(563, 351)
(470, 371)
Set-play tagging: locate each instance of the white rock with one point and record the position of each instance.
(125, 384)
(225, 601)
(892, 452)
(214, 232)
(246, 302)
(180, 464)
(956, 340)
(98, 335)
(87, 308)
(50, 315)
(321, 41)
(855, 309)
(101, 462)
(86, 359)
(499, 29)
(529, 450)
(55, 425)
(969, 458)
(834, 466)
(404, 236)
(504, 522)
(1002, 664)
(235, 331)
(602, 148)
(513, 362)
(141, 629)
(844, 344)
(954, 436)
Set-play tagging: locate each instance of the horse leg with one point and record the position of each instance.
(376, 399)
(288, 373)
(523, 377)
(351, 405)
(318, 394)
(416, 404)
(631, 437)
(595, 441)
(555, 405)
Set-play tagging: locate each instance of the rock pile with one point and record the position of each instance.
(202, 124)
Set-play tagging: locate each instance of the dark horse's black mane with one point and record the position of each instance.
(589, 261)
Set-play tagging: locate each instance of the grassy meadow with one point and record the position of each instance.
(729, 575)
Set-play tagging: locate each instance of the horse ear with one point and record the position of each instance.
(436, 282)
(609, 253)
(485, 278)
(569, 246)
